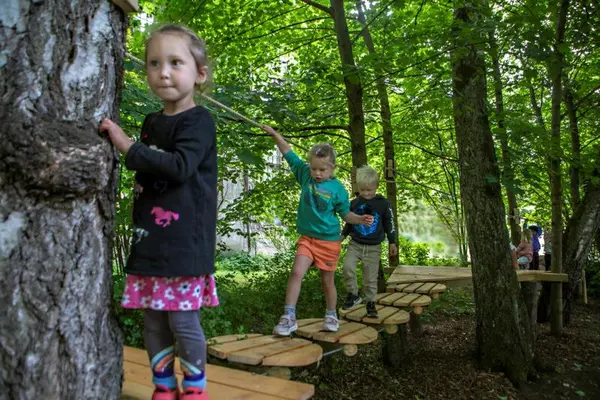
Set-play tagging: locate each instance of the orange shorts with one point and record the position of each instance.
(324, 253)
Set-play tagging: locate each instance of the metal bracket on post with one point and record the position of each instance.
(390, 170)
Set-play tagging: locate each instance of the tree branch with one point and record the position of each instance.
(321, 7)
(314, 128)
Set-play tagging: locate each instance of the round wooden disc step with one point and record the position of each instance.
(403, 300)
(386, 315)
(266, 350)
(350, 333)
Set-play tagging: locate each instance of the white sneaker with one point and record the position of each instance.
(286, 326)
(331, 323)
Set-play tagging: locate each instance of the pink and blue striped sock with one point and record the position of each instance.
(162, 368)
(192, 376)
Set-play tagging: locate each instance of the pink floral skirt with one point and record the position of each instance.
(170, 294)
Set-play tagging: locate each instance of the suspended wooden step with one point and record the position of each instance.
(265, 350)
(431, 289)
(223, 383)
(414, 301)
(349, 335)
(389, 317)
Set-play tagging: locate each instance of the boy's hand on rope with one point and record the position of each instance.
(116, 135)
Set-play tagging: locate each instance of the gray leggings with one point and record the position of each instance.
(163, 328)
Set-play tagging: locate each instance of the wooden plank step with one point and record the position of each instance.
(425, 288)
(364, 336)
(421, 301)
(406, 300)
(412, 288)
(438, 288)
(232, 338)
(300, 357)
(334, 337)
(346, 334)
(308, 321)
(255, 355)
(401, 286)
(383, 314)
(399, 318)
(360, 313)
(223, 383)
(223, 350)
(392, 298)
(307, 330)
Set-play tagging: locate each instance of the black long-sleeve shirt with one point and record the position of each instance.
(383, 221)
(175, 205)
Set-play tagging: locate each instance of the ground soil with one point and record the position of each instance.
(442, 366)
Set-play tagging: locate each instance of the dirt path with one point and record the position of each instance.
(443, 367)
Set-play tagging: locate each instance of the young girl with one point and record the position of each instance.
(524, 250)
(169, 270)
(322, 197)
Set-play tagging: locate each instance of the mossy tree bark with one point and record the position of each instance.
(61, 75)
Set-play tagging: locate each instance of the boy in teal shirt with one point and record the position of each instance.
(322, 197)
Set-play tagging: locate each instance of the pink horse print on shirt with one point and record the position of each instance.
(163, 217)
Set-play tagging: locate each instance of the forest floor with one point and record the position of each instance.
(442, 366)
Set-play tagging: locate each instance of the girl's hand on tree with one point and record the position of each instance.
(116, 135)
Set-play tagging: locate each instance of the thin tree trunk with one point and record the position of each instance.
(500, 310)
(59, 338)
(386, 125)
(509, 176)
(556, 68)
(581, 230)
(353, 85)
(575, 147)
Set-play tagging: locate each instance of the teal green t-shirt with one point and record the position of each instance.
(319, 202)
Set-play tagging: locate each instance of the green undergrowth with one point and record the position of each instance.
(251, 290)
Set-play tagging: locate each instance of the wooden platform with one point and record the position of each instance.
(265, 350)
(223, 383)
(349, 335)
(431, 289)
(456, 276)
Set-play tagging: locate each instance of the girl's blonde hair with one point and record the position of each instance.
(322, 150)
(366, 176)
(197, 48)
(526, 235)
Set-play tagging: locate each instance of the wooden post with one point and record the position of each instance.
(416, 326)
(394, 348)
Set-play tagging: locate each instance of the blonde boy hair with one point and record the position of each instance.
(367, 176)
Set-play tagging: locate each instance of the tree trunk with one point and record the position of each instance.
(581, 230)
(352, 83)
(59, 338)
(507, 170)
(575, 147)
(556, 68)
(500, 310)
(386, 125)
